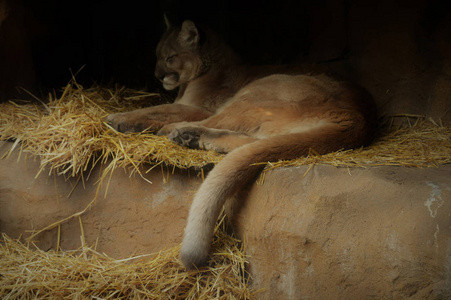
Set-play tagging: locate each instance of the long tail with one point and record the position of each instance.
(236, 170)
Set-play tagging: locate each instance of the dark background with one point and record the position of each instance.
(399, 50)
(115, 41)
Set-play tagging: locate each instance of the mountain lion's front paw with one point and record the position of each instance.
(132, 122)
(123, 123)
(187, 137)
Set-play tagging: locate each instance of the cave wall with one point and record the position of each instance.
(399, 50)
(16, 63)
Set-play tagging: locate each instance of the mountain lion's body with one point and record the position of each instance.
(246, 112)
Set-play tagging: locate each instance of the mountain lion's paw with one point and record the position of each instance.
(115, 121)
(187, 137)
(127, 123)
(166, 130)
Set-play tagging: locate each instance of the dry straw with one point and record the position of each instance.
(68, 136)
(419, 143)
(27, 273)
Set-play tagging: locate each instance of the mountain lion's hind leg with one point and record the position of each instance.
(199, 137)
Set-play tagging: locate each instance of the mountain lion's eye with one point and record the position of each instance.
(170, 58)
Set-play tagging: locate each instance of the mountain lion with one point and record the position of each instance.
(255, 114)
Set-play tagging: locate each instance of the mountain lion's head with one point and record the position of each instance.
(178, 55)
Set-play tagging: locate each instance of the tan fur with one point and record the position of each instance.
(246, 112)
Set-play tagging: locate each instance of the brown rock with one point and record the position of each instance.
(135, 217)
(380, 233)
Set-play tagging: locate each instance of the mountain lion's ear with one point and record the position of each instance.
(188, 36)
(166, 21)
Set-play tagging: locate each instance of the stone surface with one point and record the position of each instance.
(135, 217)
(380, 232)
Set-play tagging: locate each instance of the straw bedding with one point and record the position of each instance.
(28, 273)
(68, 137)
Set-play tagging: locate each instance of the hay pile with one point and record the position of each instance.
(68, 135)
(420, 144)
(27, 273)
